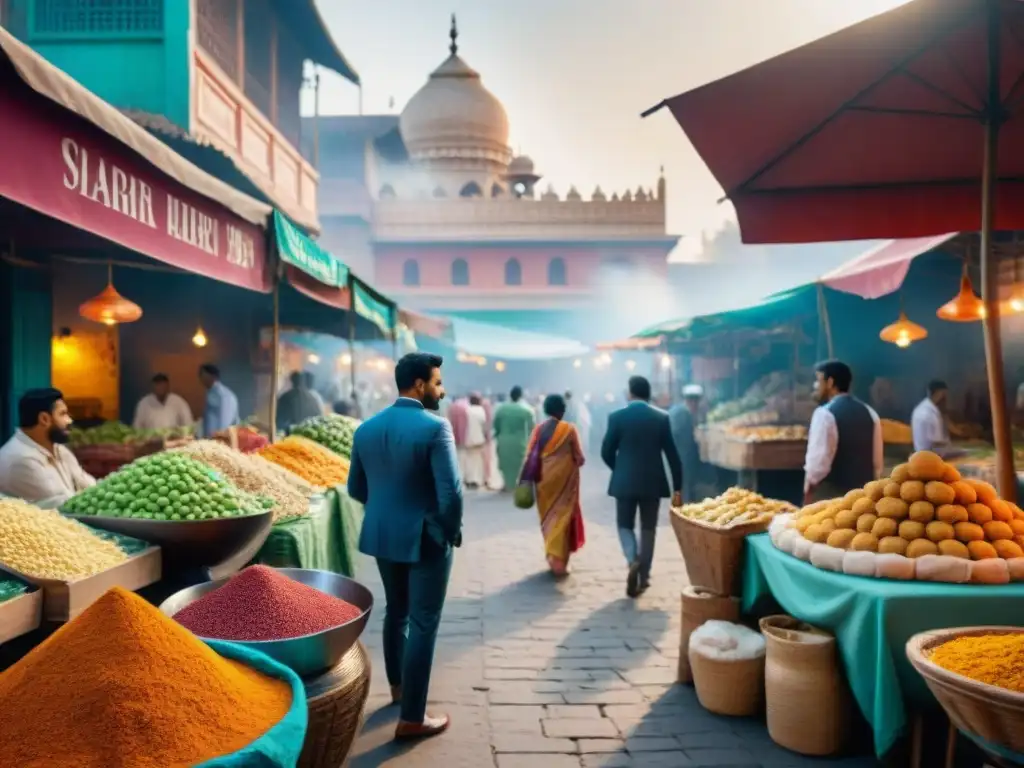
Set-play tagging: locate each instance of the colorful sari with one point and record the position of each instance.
(554, 458)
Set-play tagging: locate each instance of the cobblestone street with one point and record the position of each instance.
(540, 674)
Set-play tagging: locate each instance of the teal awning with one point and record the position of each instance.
(305, 254)
(372, 306)
(508, 344)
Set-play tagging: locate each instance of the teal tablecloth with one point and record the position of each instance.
(872, 620)
(326, 540)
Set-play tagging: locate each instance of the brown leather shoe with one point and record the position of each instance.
(396, 694)
(431, 726)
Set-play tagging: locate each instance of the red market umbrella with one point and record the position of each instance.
(906, 125)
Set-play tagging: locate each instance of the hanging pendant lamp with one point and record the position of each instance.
(966, 306)
(903, 332)
(110, 307)
(199, 339)
(1013, 305)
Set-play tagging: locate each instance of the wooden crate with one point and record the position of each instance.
(728, 452)
(63, 600)
(21, 614)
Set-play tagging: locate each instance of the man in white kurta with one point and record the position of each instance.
(161, 408)
(35, 464)
(474, 469)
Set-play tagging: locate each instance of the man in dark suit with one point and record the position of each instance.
(405, 472)
(637, 438)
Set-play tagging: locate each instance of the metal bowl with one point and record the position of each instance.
(308, 654)
(193, 543)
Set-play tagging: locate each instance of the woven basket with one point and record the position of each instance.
(336, 700)
(697, 606)
(713, 556)
(728, 687)
(983, 712)
(807, 702)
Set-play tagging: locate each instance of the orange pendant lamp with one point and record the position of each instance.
(966, 306)
(110, 307)
(903, 332)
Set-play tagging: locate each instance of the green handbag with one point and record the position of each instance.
(523, 496)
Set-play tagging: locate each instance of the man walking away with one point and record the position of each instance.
(637, 438)
(844, 441)
(404, 471)
(684, 418)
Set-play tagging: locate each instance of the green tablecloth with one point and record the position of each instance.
(872, 620)
(327, 540)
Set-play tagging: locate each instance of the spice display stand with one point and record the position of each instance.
(63, 600)
(20, 615)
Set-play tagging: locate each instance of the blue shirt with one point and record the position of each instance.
(221, 409)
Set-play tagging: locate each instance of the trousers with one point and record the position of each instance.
(414, 594)
(625, 519)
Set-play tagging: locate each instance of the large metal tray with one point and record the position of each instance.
(309, 654)
(193, 543)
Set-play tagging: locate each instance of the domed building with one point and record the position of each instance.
(433, 205)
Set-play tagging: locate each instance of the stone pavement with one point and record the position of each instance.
(541, 674)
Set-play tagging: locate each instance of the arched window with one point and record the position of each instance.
(411, 272)
(513, 272)
(556, 271)
(460, 272)
(471, 190)
(439, 192)
(386, 191)
(497, 190)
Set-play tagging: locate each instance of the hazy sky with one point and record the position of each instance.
(574, 76)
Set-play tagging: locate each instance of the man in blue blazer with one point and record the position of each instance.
(405, 473)
(637, 438)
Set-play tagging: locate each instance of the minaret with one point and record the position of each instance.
(661, 184)
(453, 33)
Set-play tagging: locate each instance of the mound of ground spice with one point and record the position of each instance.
(261, 603)
(124, 685)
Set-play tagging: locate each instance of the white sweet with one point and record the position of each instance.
(991, 571)
(859, 563)
(952, 570)
(893, 566)
(1016, 568)
(788, 538)
(827, 558)
(802, 548)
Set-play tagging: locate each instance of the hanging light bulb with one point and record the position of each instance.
(110, 307)
(199, 339)
(577, 363)
(346, 359)
(666, 362)
(630, 364)
(903, 332)
(499, 366)
(966, 306)
(314, 359)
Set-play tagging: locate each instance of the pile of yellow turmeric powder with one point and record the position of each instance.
(994, 659)
(124, 685)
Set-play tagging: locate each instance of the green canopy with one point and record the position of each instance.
(373, 306)
(305, 254)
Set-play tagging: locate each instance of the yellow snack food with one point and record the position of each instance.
(1001, 511)
(1017, 526)
(921, 547)
(965, 494)
(939, 493)
(892, 545)
(841, 538)
(864, 542)
(922, 512)
(911, 491)
(953, 548)
(986, 493)
(875, 489)
(951, 475)
(939, 531)
(891, 490)
(884, 526)
(925, 465)
(848, 517)
(969, 532)
(981, 550)
(952, 514)
(979, 513)
(1007, 549)
(900, 473)
(815, 533)
(852, 496)
(827, 526)
(997, 530)
(911, 529)
(892, 507)
(866, 504)
(804, 523)
(866, 522)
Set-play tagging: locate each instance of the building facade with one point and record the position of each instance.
(224, 73)
(434, 204)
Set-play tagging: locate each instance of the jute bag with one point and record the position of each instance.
(700, 605)
(807, 701)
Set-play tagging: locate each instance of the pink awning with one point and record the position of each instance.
(882, 269)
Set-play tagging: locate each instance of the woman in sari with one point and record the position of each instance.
(553, 462)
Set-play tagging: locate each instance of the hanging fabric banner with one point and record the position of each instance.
(372, 306)
(306, 254)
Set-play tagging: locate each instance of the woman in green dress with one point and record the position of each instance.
(513, 423)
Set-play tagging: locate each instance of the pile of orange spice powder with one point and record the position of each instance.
(124, 685)
(994, 659)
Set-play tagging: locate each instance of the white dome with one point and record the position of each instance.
(454, 117)
(521, 165)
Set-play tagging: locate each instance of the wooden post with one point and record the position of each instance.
(275, 356)
(1005, 472)
(826, 321)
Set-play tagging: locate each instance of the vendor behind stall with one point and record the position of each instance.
(844, 442)
(683, 418)
(221, 409)
(35, 464)
(161, 408)
(930, 424)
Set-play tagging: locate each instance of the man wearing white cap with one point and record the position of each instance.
(683, 418)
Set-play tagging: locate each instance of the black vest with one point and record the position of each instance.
(854, 463)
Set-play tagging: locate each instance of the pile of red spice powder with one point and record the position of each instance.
(261, 604)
